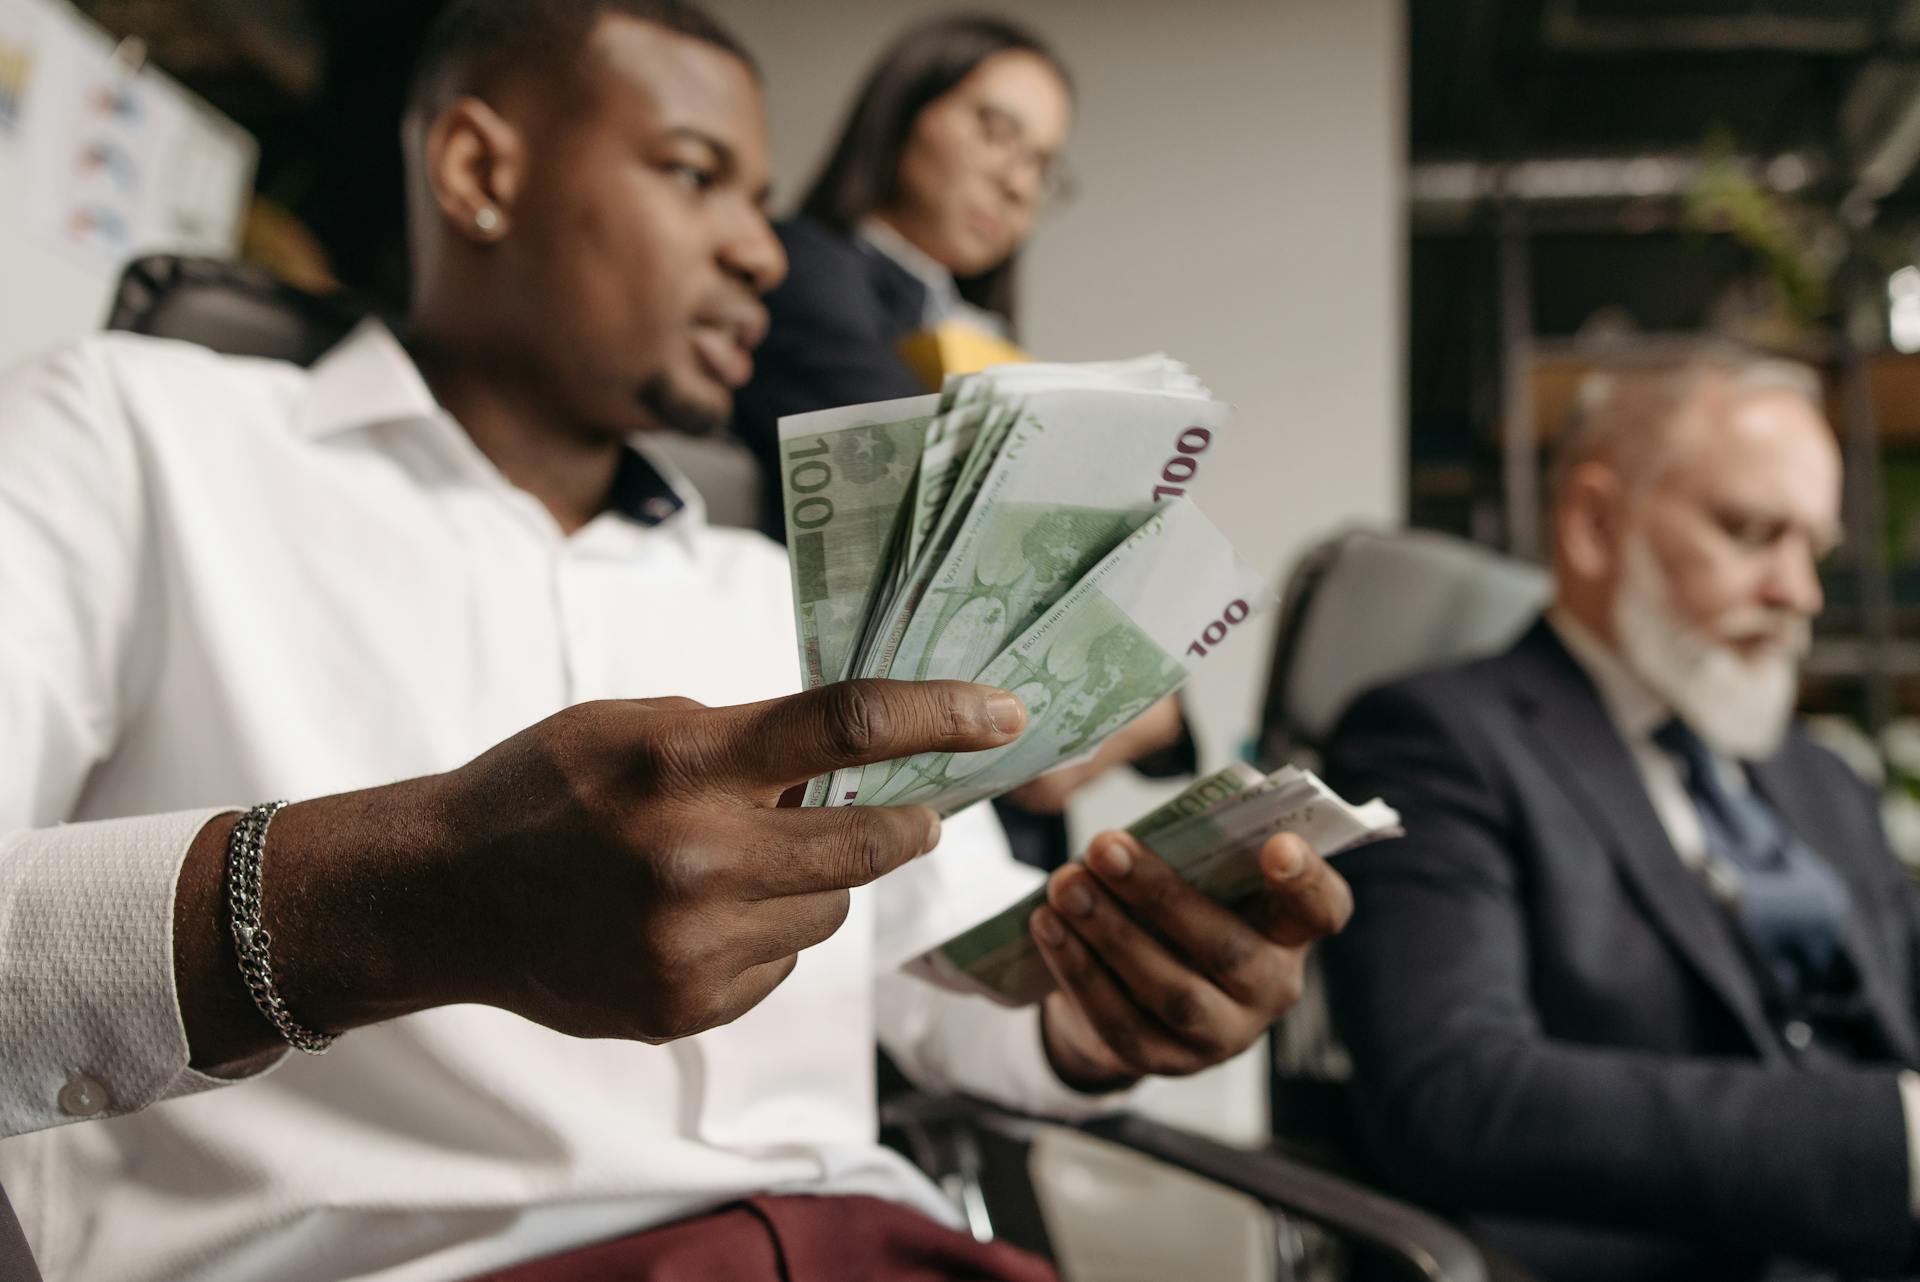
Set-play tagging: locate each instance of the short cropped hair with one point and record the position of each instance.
(473, 45)
(1627, 412)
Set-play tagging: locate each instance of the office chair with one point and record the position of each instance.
(230, 307)
(975, 1150)
(1367, 606)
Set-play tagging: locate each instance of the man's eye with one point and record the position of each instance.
(1753, 534)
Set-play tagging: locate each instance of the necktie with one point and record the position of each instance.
(1792, 906)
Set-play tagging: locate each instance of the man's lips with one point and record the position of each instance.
(1765, 647)
(725, 352)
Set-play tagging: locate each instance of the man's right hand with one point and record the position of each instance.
(622, 869)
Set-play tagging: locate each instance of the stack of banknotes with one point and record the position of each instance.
(1029, 527)
(1211, 835)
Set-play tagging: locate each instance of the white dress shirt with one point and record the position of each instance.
(227, 580)
(1637, 712)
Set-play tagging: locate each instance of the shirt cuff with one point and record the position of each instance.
(88, 1010)
(959, 1044)
(1039, 1084)
(1910, 1106)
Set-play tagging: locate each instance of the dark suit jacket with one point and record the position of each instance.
(1554, 1032)
(835, 321)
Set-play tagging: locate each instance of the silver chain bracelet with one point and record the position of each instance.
(245, 849)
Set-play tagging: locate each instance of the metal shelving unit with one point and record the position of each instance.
(1556, 146)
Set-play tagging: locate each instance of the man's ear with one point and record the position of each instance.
(1591, 519)
(476, 163)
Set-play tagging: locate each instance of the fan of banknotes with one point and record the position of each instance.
(1028, 527)
(1210, 834)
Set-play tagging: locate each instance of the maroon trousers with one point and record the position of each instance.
(791, 1239)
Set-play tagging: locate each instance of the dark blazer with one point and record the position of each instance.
(835, 321)
(1554, 1032)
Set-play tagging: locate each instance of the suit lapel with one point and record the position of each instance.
(902, 297)
(1805, 812)
(1577, 739)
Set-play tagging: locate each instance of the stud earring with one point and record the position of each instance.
(487, 219)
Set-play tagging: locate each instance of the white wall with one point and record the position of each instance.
(1240, 167)
(183, 191)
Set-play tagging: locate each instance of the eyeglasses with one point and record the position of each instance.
(1003, 141)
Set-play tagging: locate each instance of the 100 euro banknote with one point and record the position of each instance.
(1211, 835)
(1119, 640)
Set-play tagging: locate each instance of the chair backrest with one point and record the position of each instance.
(234, 308)
(1367, 606)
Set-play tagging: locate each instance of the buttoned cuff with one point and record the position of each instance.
(953, 1043)
(88, 1010)
(1040, 1086)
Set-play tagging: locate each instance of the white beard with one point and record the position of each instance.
(1740, 706)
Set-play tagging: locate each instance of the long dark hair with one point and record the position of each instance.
(919, 67)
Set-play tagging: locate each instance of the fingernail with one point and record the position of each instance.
(1076, 900)
(1288, 863)
(1048, 927)
(933, 833)
(1111, 858)
(1005, 712)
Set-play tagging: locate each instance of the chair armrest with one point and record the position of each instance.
(1430, 1246)
(1438, 1250)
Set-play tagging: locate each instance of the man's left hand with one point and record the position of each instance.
(1157, 978)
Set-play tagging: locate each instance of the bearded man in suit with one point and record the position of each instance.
(1635, 995)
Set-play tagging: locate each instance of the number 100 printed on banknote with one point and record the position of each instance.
(1030, 527)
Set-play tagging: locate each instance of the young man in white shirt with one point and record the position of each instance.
(233, 580)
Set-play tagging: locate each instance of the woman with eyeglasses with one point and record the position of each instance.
(907, 242)
(902, 263)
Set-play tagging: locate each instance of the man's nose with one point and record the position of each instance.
(752, 251)
(1793, 579)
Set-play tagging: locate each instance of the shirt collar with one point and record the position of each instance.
(911, 258)
(1635, 709)
(368, 380)
(943, 302)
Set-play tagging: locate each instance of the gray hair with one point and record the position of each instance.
(1626, 413)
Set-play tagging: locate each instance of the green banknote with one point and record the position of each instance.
(997, 957)
(1213, 845)
(1127, 634)
(1200, 795)
(1076, 474)
(1027, 526)
(845, 475)
(978, 414)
